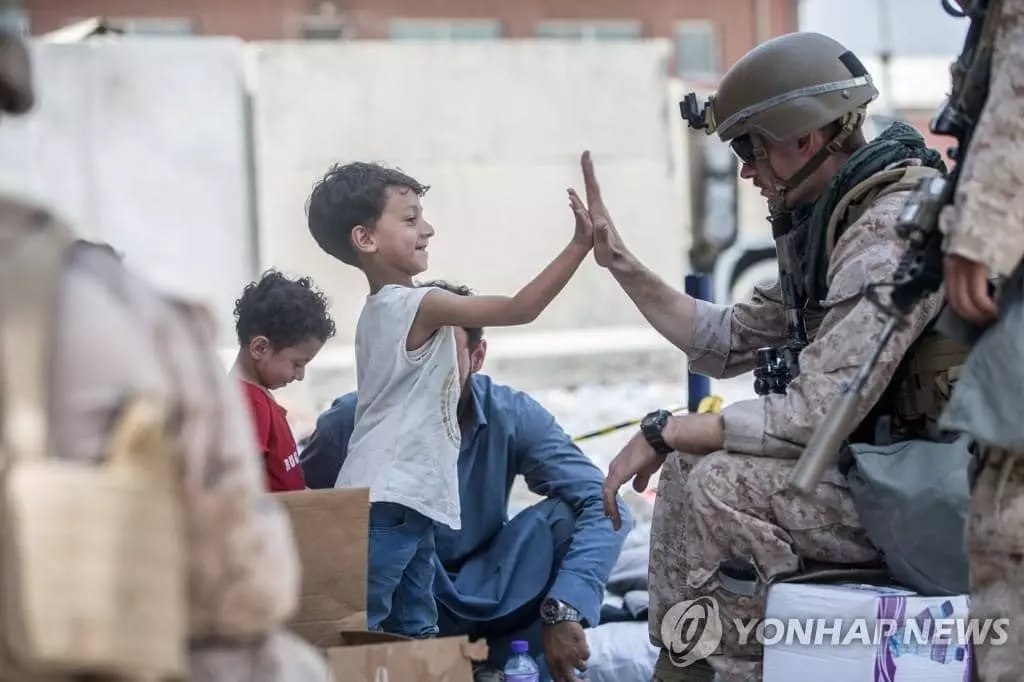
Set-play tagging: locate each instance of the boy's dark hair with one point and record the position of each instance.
(475, 334)
(286, 311)
(351, 195)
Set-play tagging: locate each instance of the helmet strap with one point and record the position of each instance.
(849, 123)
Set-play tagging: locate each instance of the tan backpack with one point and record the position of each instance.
(92, 560)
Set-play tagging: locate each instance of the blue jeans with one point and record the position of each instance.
(400, 576)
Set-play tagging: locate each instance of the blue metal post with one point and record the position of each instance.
(698, 386)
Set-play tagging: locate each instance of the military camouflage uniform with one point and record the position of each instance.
(116, 337)
(735, 503)
(986, 225)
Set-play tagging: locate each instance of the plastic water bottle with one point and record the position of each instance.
(520, 667)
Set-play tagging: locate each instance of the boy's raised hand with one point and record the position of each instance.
(584, 235)
(608, 246)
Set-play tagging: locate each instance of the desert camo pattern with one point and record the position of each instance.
(986, 225)
(986, 222)
(735, 503)
(116, 335)
(728, 336)
(995, 548)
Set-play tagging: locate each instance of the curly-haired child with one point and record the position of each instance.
(281, 325)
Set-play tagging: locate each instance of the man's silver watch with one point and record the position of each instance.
(556, 611)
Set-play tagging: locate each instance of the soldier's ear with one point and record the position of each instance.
(259, 347)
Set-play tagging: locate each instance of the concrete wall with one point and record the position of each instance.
(143, 144)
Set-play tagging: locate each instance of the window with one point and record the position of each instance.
(169, 26)
(14, 20)
(591, 30)
(326, 24)
(696, 49)
(320, 31)
(456, 29)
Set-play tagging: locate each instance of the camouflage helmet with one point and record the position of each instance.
(788, 87)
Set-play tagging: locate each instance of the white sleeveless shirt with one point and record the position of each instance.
(405, 443)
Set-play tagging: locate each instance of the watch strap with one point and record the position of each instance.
(652, 427)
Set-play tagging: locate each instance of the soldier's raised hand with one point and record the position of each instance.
(608, 246)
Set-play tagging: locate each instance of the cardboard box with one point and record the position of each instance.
(330, 528)
(378, 657)
(331, 533)
(874, 641)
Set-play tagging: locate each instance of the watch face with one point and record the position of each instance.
(549, 609)
(653, 420)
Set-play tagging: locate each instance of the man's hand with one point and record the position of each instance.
(637, 461)
(608, 246)
(693, 434)
(584, 235)
(565, 648)
(967, 289)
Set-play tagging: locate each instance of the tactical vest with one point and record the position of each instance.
(920, 389)
(92, 560)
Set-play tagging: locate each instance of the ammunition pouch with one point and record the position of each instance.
(92, 560)
(928, 376)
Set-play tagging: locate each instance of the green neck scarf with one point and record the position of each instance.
(899, 142)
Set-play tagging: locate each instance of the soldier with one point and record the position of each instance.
(725, 525)
(116, 339)
(984, 231)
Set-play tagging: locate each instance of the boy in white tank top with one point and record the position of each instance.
(405, 442)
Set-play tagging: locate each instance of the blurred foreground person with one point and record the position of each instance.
(139, 542)
(984, 231)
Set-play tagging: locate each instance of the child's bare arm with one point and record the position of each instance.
(441, 309)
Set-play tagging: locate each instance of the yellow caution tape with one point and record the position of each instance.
(711, 403)
(621, 425)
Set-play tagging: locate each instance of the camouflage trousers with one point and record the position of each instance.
(727, 506)
(995, 548)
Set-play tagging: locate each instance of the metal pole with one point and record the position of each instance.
(885, 55)
(698, 386)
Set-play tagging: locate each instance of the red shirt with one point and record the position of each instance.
(275, 439)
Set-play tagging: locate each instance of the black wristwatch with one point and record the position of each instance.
(651, 426)
(555, 611)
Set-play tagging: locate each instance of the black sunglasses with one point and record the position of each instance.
(743, 147)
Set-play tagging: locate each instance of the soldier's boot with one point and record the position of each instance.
(667, 671)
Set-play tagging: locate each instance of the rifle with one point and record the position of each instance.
(919, 272)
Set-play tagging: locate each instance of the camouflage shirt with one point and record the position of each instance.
(986, 223)
(725, 338)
